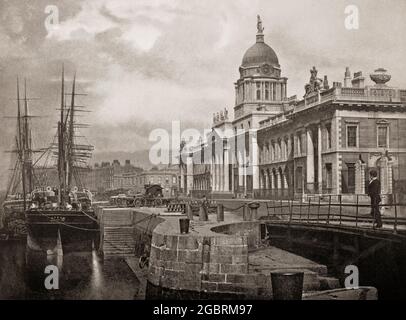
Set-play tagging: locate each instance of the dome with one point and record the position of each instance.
(259, 54)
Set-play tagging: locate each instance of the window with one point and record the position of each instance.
(173, 180)
(258, 91)
(329, 177)
(266, 91)
(350, 178)
(383, 141)
(328, 135)
(352, 131)
(299, 144)
(249, 124)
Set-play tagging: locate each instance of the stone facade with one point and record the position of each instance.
(136, 181)
(324, 143)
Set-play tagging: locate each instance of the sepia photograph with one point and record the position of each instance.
(184, 150)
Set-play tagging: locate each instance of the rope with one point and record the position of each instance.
(234, 209)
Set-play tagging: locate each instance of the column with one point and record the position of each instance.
(254, 163)
(182, 186)
(309, 161)
(221, 171)
(266, 178)
(213, 173)
(319, 161)
(226, 170)
(245, 170)
(240, 170)
(189, 177)
(217, 173)
(286, 90)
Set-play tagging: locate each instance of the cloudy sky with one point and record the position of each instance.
(144, 63)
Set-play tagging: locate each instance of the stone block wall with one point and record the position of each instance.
(214, 263)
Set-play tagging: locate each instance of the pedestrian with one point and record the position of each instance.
(374, 192)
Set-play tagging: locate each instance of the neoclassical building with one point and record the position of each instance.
(280, 147)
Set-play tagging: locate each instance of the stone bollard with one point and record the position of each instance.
(246, 214)
(189, 211)
(254, 210)
(220, 213)
(203, 213)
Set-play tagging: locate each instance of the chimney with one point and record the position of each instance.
(358, 81)
(337, 84)
(128, 162)
(347, 78)
(116, 162)
(325, 83)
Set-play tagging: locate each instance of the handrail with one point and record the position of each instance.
(337, 212)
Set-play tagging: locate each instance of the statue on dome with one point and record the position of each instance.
(221, 115)
(260, 28)
(226, 113)
(214, 117)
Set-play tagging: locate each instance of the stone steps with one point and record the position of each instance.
(118, 241)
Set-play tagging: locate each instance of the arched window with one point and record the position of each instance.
(258, 91)
(266, 90)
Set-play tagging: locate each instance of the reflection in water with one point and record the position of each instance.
(81, 275)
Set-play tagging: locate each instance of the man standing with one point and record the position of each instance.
(374, 192)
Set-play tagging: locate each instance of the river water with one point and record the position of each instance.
(81, 276)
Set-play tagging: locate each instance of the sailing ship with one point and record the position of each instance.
(18, 193)
(63, 214)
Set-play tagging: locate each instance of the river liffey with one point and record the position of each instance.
(81, 276)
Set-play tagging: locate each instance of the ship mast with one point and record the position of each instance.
(61, 147)
(27, 142)
(21, 145)
(71, 135)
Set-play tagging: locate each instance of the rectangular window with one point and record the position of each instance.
(328, 134)
(266, 91)
(383, 137)
(329, 177)
(352, 131)
(351, 177)
(258, 91)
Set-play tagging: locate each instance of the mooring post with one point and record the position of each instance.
(281, 207)
(329, 207)
(290, 211)
(341, 207)
(318, 211)
(253, 208)
(220, 212)
(395, 226)
(356, 212)
(300, 209)
(189, 211)
(308, 211)
(244, 212)
(203, 213)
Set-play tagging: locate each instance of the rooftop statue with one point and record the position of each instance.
(315, 83)
(260, 28)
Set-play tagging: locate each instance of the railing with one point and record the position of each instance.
(274, 194)
(331, 210)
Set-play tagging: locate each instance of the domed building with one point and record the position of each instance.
(287, 148)
(260, 90)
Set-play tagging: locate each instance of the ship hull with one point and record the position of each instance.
(77, 231)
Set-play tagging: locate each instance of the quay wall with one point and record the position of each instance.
(206, 264)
